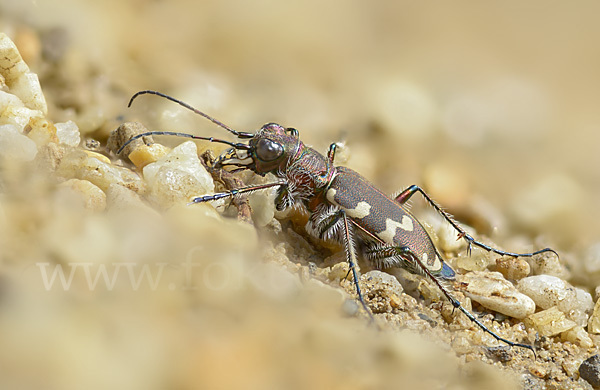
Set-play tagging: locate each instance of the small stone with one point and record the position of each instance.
(491, 290)
(49, 156)
(476, 261)
(449, 240)
(395, 301)
(262, 204)
(350, 307)
(548, 291)
(579, 336)
(571, 366)
(19, 116)
(513, 268)
(453, 316)
(27, 87)
(20, 81)
(549, 322)
(16, 146)
(81, 165)
(461, 345)
(68, 133)
(409, 281)
(338, 271)
(91, 196)
(548, 264)
(429, 291)
(590, 371)
(41, 131)
(585, 306)
(98, 156)
(123, 134)
(537, 370)
(178, 177)
(147, 154)
(380, 289)
(594, 321)
(8, 100)
(119, 199)
(11, 63)
(383, 281)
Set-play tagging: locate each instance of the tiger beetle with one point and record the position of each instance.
(343, 206)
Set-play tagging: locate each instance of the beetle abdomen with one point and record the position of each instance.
(386, 219)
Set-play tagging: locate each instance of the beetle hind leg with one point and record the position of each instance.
(385, 256)
(405, 195)
(406, 258)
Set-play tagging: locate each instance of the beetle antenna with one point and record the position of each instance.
(235, 145)
(239, 134)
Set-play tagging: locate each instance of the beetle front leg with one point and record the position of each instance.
(234, 192)
(405, 195)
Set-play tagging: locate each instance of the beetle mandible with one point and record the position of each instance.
(343, 206)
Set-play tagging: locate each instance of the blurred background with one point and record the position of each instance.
(498, 100)
(492, 107)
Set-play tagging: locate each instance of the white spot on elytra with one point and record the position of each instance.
(360, 211)
(330, 195)
(390, 228)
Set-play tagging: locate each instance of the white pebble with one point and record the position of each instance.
(548, 291)
(7, 100)
(68, 133)
(549, 322)
(491, 290)
(27, 87)
(594, 321)
(178, 176)
(20, 81)
(11, 63)
(383, 281)
(16, 146)
(83, 192)
(84, 166)
(19, 116)
(579, 336)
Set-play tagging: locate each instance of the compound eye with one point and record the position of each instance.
(268, 150)
(292, 131)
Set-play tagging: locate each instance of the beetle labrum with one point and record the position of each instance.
(343, 206)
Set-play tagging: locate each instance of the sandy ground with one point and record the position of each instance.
(491, 108)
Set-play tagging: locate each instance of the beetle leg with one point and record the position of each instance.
(350, 248)
(234, 192)
(413, 262)
(331, 152)
(410, 191)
